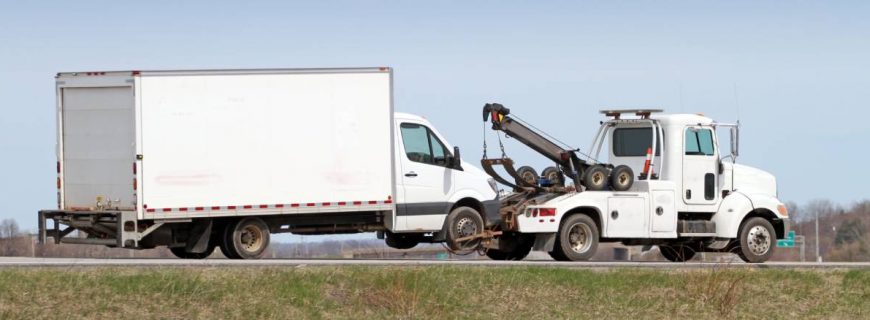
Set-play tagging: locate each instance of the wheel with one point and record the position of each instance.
(248, 238)
(554, 175)
(182, 253)
(595, 178)
(677, 253)
(756, 239)
(463, 222)
(402, 241)
(621, 178)
(577, 239)
(528, 175)
(519, 252)
(226, 242)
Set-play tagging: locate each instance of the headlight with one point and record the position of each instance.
(492, 184)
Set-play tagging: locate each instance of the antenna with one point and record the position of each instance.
(737, 102)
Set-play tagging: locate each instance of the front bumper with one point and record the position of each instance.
(492, 213)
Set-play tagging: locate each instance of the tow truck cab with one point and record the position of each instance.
(693, 196)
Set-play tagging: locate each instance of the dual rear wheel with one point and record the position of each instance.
(247, 238)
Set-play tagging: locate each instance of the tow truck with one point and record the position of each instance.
(687, 197)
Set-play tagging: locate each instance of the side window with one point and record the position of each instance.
(699, 142)
(633, 142)
(416, 140)
(439, 152)
(421, 145)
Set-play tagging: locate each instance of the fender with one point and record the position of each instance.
(736, 206)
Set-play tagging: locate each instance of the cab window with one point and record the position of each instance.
(421, 145)
(699, 142)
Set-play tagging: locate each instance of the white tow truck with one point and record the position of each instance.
(688, 197)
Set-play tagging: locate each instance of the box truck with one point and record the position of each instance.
(200, 159)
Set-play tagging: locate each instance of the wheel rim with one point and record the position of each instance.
(580, 238)
(758, 240)
(466, 227)
(622, 178)
(251, 238)
(597, 178)
(529, 178)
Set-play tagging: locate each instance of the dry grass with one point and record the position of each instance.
(430, 292)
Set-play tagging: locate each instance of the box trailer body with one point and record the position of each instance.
(324, 145)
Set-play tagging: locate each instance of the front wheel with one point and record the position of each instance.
(463, 222)
(757, 240)
(577, 239)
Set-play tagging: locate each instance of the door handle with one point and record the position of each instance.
(411, 174)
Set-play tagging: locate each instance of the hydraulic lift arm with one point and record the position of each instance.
(568, 161)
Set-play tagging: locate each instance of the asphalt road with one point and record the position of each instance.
(68, 262)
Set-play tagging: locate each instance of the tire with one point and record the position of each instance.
(595, 178)
(519, 252)
(402, 241)
(248, 238)
(182, 253)
(555, 176)
(226, 242)
(677, 253)
(463, 222)
(621, 178)
(577, 239)
(528, 175)
(757, 240)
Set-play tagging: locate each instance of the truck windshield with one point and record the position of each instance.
(633, 142)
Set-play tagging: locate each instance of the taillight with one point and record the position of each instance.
(546, 212)
(134, 184)
(134, 168)
(58, 167)
(58, 183)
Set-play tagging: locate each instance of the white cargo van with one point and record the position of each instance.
(201, 159)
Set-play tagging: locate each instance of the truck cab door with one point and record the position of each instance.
(427, 182)
(700, 166)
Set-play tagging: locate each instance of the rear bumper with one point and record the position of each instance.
(102, 227)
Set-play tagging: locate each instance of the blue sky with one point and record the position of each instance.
(800, 69)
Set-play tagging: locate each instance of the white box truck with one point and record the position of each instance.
(195, 160)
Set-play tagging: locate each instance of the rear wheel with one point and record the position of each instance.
(246, 239)
(463, 222)
(182, 253)
(756, 240)
(577, 239)
(677, 253)
(402, 241)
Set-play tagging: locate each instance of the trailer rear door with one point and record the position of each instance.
(98, 149)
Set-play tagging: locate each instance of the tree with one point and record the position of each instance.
(9, 229)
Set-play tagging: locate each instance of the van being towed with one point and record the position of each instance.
(195, 160)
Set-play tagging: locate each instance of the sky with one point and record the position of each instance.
(795, 73)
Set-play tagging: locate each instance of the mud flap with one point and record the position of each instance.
(544, 242)
(201, 233)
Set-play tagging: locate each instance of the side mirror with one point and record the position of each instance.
(735, 142)
(456, 160)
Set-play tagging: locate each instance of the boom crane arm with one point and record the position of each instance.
(568, 161)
